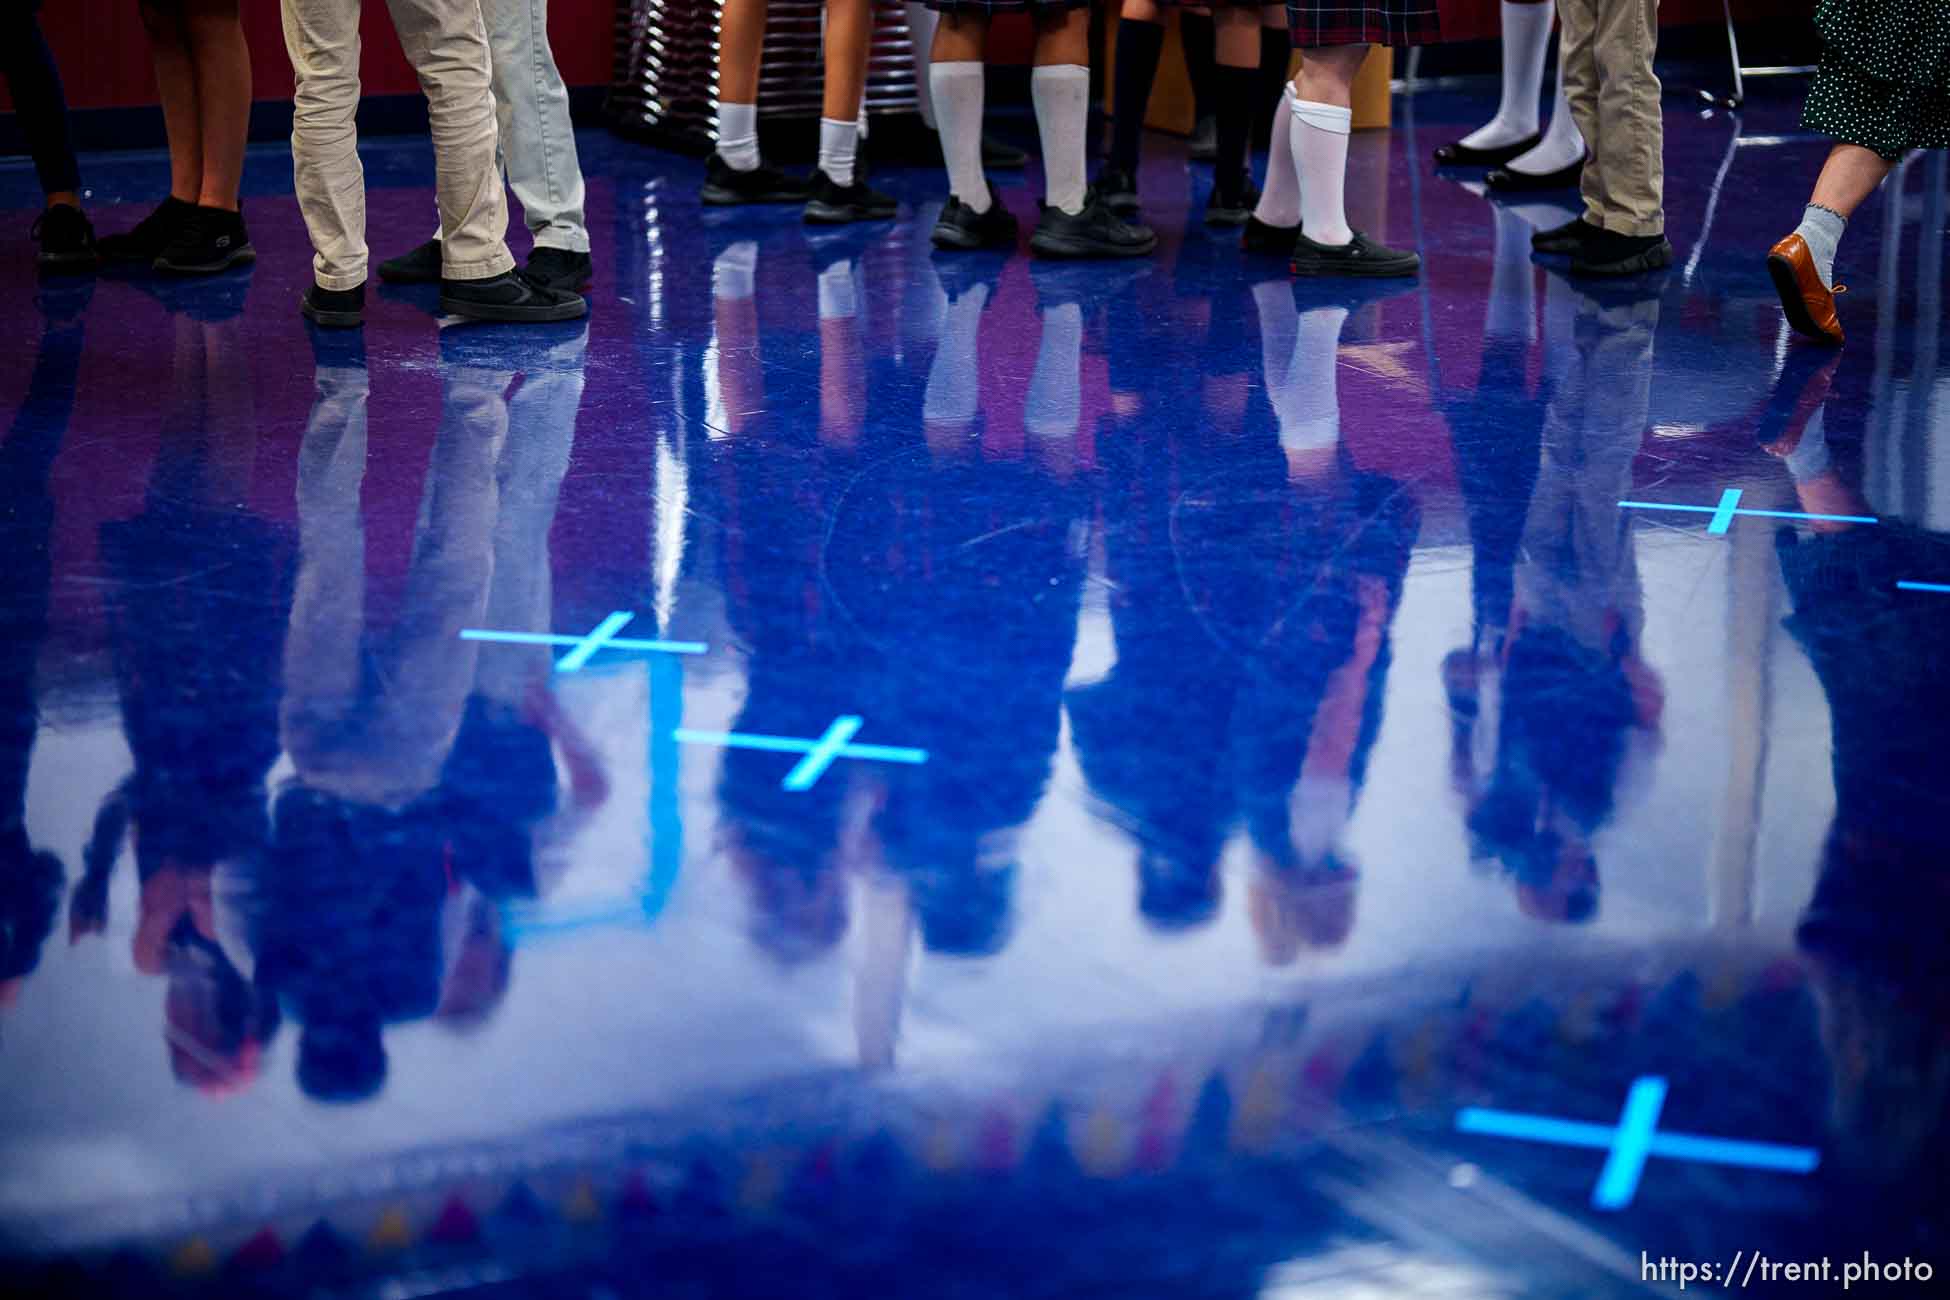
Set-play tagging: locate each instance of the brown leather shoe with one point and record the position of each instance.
(1810, 308)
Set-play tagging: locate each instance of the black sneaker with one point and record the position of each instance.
(67, 241)
(421, 266)
(1611, 254)
(1118, 189)
(1003, 157)
(510, 296)
(1094, 232)
(559, 268)
(1232, 205)
(1271, 241)
(725, 186)
(208, 241)
(334, 308)
(1358, 257)
(834, 204)
(1204, 143)
(961, 227)
(144, 242)
(1567, 238)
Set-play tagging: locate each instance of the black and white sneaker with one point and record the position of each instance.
(1094, 232)
(1233, 204)
(1268, 240)
(1360, 257)
(144, 242)
(420, 266)
(559, 268)
(1118, 189)
(510, 296)
(834, 204)
(334, 308)
(962, 228)
(1567, 238)
(725, 186)
(209, 240)
(67, 241)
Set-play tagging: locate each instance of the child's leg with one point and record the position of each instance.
(1060, 86)
(1323, 94)
(741, 46)
(214, 30)
(1140, 38)
(169, 50)
(849, 33)
(956, 77)
(1235, 82)
(1526, 34)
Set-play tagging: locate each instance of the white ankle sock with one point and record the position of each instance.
(1061, 92)
(1561, 145)
(958, 109)
(921, 22)
(738, 136)
(1320, 134)
(1821, 229)
(1526, 34)
(1279, 201)
(839, 143)
(731, 274)
(1054, 403)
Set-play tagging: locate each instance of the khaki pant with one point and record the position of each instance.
(1614, 96)
(446, 42)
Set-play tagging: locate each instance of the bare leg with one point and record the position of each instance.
(741, 44)
(1327, 74)
(849, 36)
(222, 63)
(961, 38)
(1849, 176)
(169, 50)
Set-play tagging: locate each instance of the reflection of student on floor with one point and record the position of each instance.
(1577, 708)
(424, 764)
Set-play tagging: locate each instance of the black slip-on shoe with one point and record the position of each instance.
(1118, 189)
(208, 241)
(1269, 240)
(1359, 257)
(834, 204)
(960, 227)
(1094, 232)
(1508, 180)
(510, 296)
(559, 268)
(1612, 255)
(1232, 205)
(420, 266)
(144, 241)
(67, 241)
(335, 309)
(1458, 154)
(725, 186)
(1567, 238)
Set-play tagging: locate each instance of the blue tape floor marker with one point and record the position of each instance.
(1729, 506)
(1633, 1140)
(601, 637)
(1906, 585)
(819, 754)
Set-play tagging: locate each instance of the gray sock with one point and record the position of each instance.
(1822, 229)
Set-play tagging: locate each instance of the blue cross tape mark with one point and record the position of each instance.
(1906, 585)
(819, 754)
(1729, 507)
(601, 637)
(1635, 1138)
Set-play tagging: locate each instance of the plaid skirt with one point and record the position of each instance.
(1315, 23)
(989, 8)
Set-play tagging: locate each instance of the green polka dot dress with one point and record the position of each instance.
(1884, 81)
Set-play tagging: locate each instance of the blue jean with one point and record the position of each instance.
(531, 106)
(39, 106)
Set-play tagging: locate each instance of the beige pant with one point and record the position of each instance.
(446, 42)
(1607, 60)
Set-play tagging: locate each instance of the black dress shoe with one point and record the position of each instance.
(559, 268)
(960, 228)
(1094, 232)
(1609, 254)
(834, 204)
(1118, 189)
(1458, 154)
(725, 186)
(419, 266)
(1233, 204)
(334, 308)
(1508, 180)
(510, 296)
(1273, 241)
(1567, 238)
(1358, 257)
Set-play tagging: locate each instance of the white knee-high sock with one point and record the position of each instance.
(921, 22)
(958, 90)
(1526, 33)
(1054, 404)
(1279, 200)
(1061, 93)
(738, 135)
(1320, 134)
(1309, 407)
(1279, 320)
(839, 144)
(1561, 145)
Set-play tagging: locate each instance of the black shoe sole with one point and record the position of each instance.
(239, 256)
(331, 320)
(517, 313)
(717, 197)
(1461, 155)
(1507, 180)
(1655, 258)
(1781, 271)
(1324, 268)
(1072, 248)
(841, 214)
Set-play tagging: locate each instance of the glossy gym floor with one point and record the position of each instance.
(856, 771)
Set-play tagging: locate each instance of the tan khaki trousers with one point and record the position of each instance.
(1614, 96)
(446, 42)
